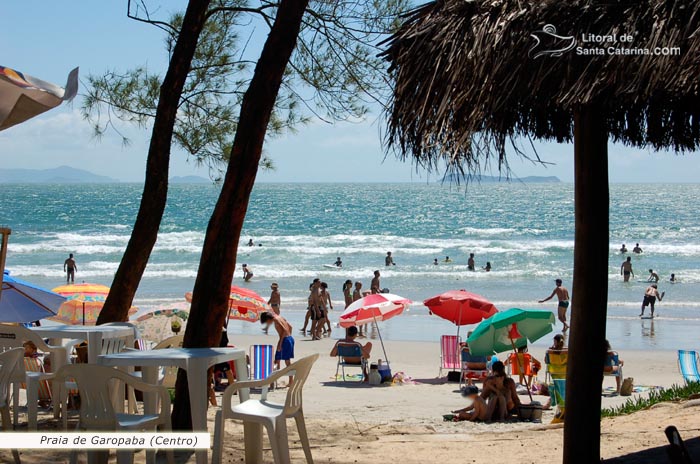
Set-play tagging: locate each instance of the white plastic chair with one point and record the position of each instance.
(9, 363)
(271, 415)
(14, 337)
(97, 411)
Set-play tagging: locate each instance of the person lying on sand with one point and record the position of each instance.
(476, 411)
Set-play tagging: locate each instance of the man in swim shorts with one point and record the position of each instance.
(650, 296)
(563, 296)
(69, 267)
(626, 269)
(285, 345)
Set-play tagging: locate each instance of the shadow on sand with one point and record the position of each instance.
(658, 454)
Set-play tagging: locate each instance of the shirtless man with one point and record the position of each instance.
(389, 261)
(637, 249)
(70, 268)
(650, 296)
(375, 286)
(563, 296)
(653, 276)
(327, 307)
(626, 269)
(275, 298)
(247, 273)
(350, 339)
(623, 249)
(471, 265)
(285, 345)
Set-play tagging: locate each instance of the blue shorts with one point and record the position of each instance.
(287, 352)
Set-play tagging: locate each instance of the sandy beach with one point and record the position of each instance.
(350, 422)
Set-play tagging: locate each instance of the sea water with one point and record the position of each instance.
(526, 232)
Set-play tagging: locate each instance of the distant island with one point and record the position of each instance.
(496, 179)
(189, 180)
(59, 175)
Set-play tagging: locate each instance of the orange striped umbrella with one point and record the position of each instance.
(244, 304)
(83, 305)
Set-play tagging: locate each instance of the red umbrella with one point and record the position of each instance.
(461, 307)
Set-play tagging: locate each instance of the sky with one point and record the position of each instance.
(48, 39)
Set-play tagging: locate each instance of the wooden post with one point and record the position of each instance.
(584, 374)
(4, 237)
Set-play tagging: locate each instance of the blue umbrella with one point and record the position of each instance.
(23, 302)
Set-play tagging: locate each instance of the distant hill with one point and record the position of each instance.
(189, 180)
(515, 180)
(59, 175)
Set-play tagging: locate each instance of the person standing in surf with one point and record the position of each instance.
(70, 268)
(563, 296)
(389, 260)
(626, 269)
(653, 276)
(247, 273)
(356, 295)
(347, 292)
(471, 264)
(650, 296)
(376, 286)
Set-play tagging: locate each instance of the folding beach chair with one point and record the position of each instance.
(688, 365)
(472, 367)
(262, 360)
(555, 361)
(350, 350)
(449, 353)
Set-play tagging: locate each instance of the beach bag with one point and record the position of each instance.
(627, 387)
(454, 376)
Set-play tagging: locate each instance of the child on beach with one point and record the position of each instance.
(477, 411)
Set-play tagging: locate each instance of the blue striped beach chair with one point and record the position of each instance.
(262, 359)
(688, 365)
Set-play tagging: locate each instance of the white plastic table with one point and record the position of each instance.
(196, 361)
(92, 334)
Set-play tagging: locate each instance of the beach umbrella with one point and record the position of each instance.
(22, 96)
(244, 304)
(158, 324)
(23, 302)
(472, 80)
(372, 309)
(508, 329)
(84, 303)
(460, 307)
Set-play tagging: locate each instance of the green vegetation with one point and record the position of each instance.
(673, 393)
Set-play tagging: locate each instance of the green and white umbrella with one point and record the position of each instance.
(509, 329)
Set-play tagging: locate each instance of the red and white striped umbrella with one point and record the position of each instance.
(373, 308)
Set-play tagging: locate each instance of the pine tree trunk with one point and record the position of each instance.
(590, 289)
(155, 189)
(212, 288)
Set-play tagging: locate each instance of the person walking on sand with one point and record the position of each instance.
(376, 286)
(389, 260)
(471, 264)
(347, 292)
(70, 268)
(637, 249)
(247, 273)
(650, 296)
(356, 295)
(327, 307)
(653, 276)
(626, 269)
(316, 305)
(285, 345)
(563, 296)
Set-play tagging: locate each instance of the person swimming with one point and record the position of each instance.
(338, 262)
(447, 259)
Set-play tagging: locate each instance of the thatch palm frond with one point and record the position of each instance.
(466, 84)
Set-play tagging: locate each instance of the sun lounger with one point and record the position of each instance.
(556, 364)
(349, 350)
(473, 367)
(449, 353)
(688, 365)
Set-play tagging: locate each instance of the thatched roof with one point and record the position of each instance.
(466, 82)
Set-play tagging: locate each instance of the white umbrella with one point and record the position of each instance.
(22, 96)
(374, 308)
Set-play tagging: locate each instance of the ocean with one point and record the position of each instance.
(526, 232)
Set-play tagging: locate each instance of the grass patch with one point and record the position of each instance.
(673, 393)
